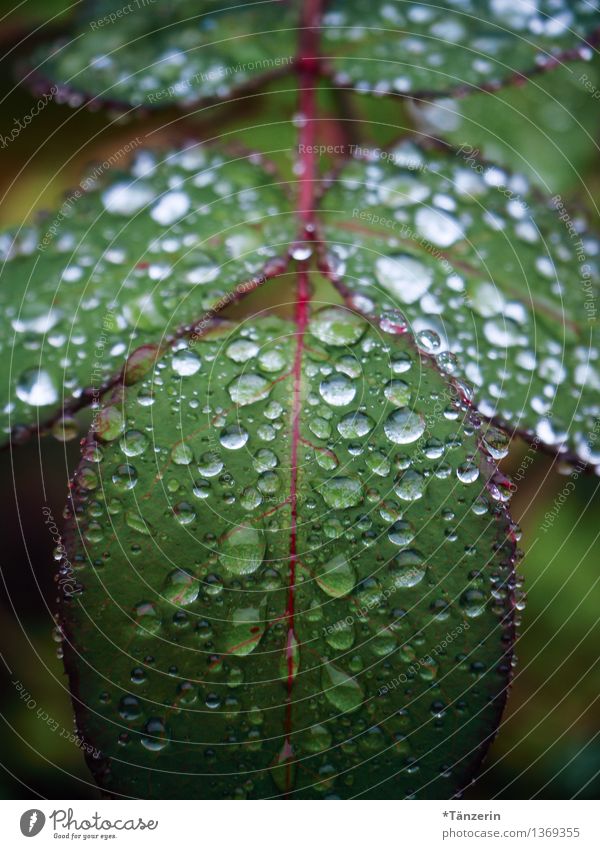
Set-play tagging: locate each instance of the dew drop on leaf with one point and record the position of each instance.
(341, 690)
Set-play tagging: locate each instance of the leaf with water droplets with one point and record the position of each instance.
(449, 47)
(500, 285)
(177, 54)
(316, 611)
(168, 53)
(122, 265)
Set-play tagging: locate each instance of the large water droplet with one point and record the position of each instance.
(170, 208)
(36, 387)
(248, 389)
(342, 492)
(355, 425)
(408, 569)
(340, 689)
(242, 550)
(404, 426)
(181, 588)
(127, 198)
(405, 278)
(336, 577)
(233, 437)
(337, 390)
(185, 363)
(337, 327)
(243, 632)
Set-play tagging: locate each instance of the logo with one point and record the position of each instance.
(32, 822)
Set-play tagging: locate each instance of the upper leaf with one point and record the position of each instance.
(123, 264)
(446, 47)
(294, 572)
(176, 53)
(508, 282)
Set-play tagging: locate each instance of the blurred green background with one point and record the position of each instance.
(549, 741)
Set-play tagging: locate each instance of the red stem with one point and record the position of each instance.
(308, 65)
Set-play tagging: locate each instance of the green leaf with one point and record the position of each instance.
(123, 263)
(507, 281)
(175, 54)
(311, 614)
(158, 54)
(499, 283)
(447, 47)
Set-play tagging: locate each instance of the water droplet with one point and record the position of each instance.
(36, 387)
(337, 327)
(393, 322)
(401, 533)
(180, 588)
(429, 341)
(438, 227)
(170, 208)
(124, 477)
(147, 618)
(398, 392)
(473, 602)
(315, 739)
(411, 486)
(185, 363)
(156, 737)
(340, 689)
(407, 569)
(496, 442)
(127, 198)
(242, 550)
(182, 454)
(233, 437)
(248, 389)
(133, 443)
(109, 423)
(342, 492)
(337, 390)
(242, 350)
(405, 278)
(404, 426)
(355, 425)
(467, 473)
(336, 577)
(65, 429)
(210, 464)
(244, 630)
